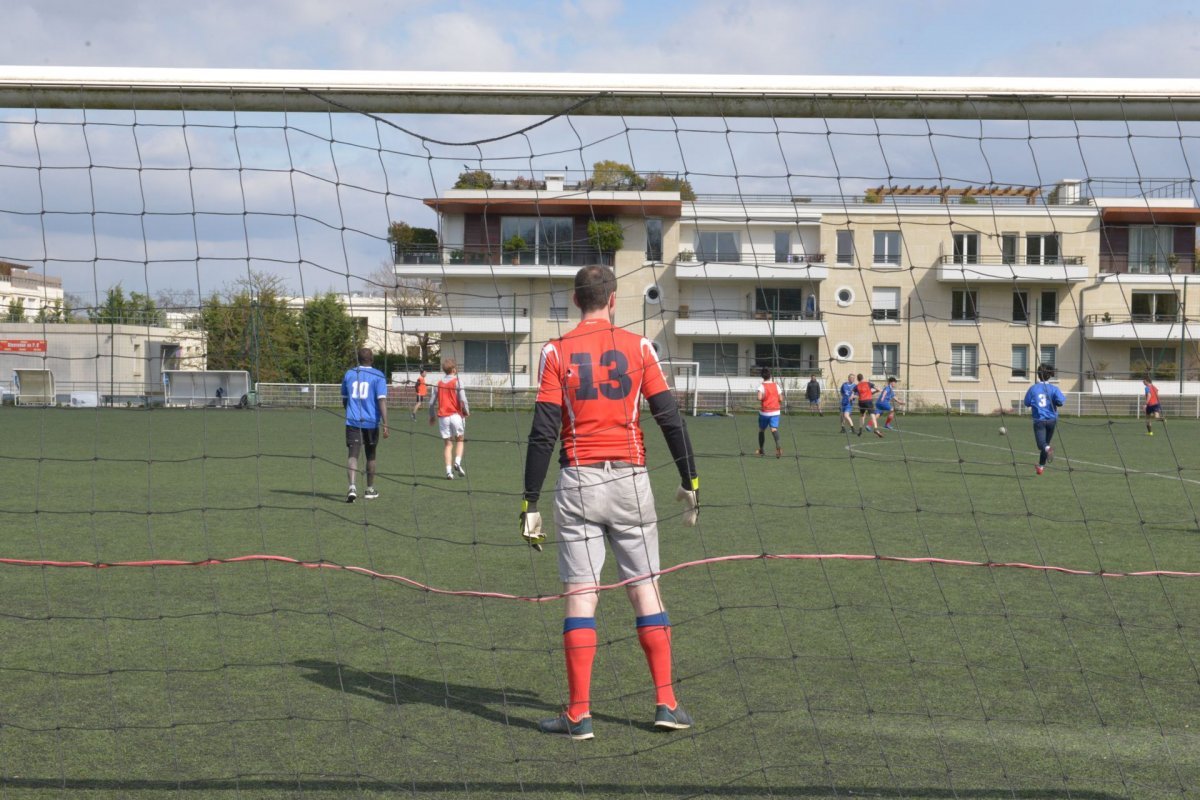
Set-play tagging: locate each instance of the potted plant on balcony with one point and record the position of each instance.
(686, 256)
(606, 237)
(513, 246)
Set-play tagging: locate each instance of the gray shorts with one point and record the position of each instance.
(605, 502)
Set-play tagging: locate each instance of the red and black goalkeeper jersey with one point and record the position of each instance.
(599, 374)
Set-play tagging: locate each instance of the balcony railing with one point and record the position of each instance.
(498, 311)
(477, 254)
(690, 257)
(1123, 264)
(724, 313)
(1012, 261)
(1141, 319)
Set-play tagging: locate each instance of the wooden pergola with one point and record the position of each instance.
(944, 193)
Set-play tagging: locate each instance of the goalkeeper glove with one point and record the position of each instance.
(531, 525)
(689, 495)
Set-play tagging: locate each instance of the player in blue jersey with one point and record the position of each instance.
(887, 402)
(846, 394)
(364, 396)
(1044, 399)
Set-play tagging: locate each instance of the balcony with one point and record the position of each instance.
(463, 320)
(1123, 264)
(759, 324)
(998, 269)
(730, 267)
(1140, 327)
(493, 260)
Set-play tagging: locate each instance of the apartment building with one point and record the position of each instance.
(962, 290)
(29, 291)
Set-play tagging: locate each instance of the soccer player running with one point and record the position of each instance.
(448, 407)
(1044, 399)
(364, 396)
(591, 384)
(1153, 408)
(887, 402)
(422, 393)
(866, 404)
(769, 404)
(846, 393)
(812, 391)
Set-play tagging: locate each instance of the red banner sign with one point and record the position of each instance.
(22, 345)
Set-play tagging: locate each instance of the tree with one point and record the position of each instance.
(250, 327)
(615, 175)
(414, 296)
(55, 312)
(664, 183)
(16, 311)
(404, 238)
(474, 179)
(328, 338)
(117, 309)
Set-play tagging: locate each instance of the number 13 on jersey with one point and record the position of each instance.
(617, 386)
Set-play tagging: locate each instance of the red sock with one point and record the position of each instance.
(656, 643)
(889, 419)
(579, 645)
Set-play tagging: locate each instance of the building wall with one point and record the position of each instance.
(101, 358)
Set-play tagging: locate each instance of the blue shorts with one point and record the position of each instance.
(882, 407)
(765, 421)
(847, 408)
(1153, 409)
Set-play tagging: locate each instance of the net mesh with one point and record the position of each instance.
(190, 603)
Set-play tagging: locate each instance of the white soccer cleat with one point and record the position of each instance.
(371, 493)
(459, 469)
(351, 495)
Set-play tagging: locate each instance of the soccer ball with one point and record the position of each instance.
(1003, 431)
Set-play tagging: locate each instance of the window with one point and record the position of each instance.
(887, 247)
(845, 247)
(1158, 361)
(1048, 312)
(723, 246)
(1151, 248)
(558, 305)
(716, 358)
(844, 351)
(966, 248)
(783, 359)
(654, 239)
(964, 305)
(964, 361)
(885, 304)
(1048, 356)
(1154, 306)
(548, 240)
(481, 355)
(1020, 361)
(1041, 248)
(885, 360)
(779, 303)
(844, 296)
(783, 247)
(1020, 309)
(1008, 248)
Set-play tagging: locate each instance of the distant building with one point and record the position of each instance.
(32, 290)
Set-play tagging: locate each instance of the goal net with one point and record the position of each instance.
(899, 588)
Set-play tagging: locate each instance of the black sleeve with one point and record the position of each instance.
(666, 414)
(542, 436)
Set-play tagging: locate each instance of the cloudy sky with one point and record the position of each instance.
(139, 216)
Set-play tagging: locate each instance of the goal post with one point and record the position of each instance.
(684, 379)
(952, 234)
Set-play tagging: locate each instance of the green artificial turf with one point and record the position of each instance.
(806, 678)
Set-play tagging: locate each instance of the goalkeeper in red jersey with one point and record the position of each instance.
(590, 386)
